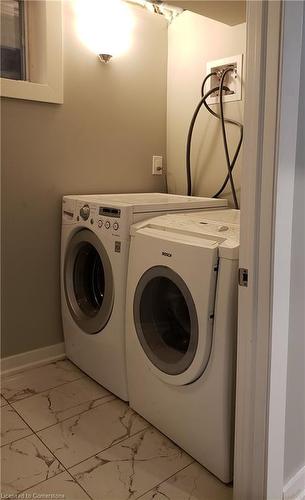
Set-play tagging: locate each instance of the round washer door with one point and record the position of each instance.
(88, 282)
(166, 322)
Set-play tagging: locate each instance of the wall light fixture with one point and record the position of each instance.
(104, 26)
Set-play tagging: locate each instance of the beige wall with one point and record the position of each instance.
(193, 41)
(100, 140)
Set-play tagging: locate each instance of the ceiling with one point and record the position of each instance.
(230, 12)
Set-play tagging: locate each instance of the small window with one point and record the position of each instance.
(31, 50)
(12, 39)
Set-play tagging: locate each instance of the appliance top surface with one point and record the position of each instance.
(152, 202)
(224, 224)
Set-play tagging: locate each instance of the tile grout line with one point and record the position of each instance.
(102, 451)
(55, 387)
(65, 469)
(67, 418)
(74, 465)
(49, 426)
(10, 404)
(164, 481)
(92, 456)
(109, 447)
(3, 398)
(19, 439)
(172, 475)
(80, 485)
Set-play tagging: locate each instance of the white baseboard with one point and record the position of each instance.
(32, 359)
(295, 488)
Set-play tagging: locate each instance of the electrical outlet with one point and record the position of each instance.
(157, 165)
(232, 80)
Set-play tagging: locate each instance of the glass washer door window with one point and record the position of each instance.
(88, 279)
(166, 320)
(88, 282)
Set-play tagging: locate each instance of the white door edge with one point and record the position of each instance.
(286, 161)
(259, 451)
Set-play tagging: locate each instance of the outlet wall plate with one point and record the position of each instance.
(233, 80)
(157, 165)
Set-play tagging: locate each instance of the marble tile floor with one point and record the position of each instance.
(66, 436)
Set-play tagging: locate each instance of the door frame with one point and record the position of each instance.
(274, 32)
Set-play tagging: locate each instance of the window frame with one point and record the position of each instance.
(50, 87)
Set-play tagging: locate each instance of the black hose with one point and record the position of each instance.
(189, 141)
(190, 133)
(225, 182)
(226, 120)
(224, 136)
(232, 122)
(205, 80)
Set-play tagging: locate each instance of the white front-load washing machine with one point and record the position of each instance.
(94, 260)
(181, 321)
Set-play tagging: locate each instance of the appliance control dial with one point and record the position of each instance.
(85, 212)
(116, 226)
(100, 223)
(107, 224)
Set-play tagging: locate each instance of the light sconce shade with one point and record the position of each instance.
(104, 26)
(105, 58)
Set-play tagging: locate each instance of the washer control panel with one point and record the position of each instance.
(108, 224)
(109, 220)
(110, 212)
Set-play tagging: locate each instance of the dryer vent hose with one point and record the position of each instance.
(230, 164)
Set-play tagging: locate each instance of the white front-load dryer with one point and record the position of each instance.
(181, 320)
(94, 260)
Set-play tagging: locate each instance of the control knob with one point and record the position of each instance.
(85, 212)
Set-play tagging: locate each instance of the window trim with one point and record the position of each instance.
(52, 89)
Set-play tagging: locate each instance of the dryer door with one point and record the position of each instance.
(173, 308)
(88, 282)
